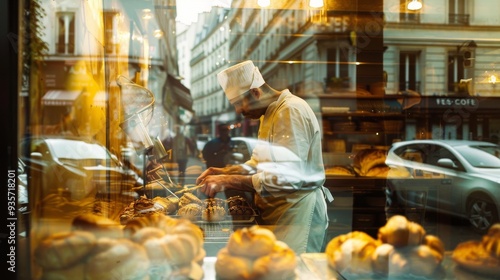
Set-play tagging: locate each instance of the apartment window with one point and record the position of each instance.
(456, 72)
(65, 43)
(409, 71)
(407, 15)
(338, 68)
(457, 12)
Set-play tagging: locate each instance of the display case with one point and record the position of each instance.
(368, 82)
(352, 122)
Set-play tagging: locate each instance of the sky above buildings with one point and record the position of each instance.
(188, 10)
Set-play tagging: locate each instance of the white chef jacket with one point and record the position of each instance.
(290, 174)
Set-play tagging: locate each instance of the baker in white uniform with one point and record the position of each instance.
(286, 170)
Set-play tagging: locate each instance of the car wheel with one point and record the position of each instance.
(482, 213)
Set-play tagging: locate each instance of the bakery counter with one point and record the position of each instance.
(315, 266)
(302, 271)
(359, 204)
(316, 263)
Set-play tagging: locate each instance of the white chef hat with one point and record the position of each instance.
(240, 78)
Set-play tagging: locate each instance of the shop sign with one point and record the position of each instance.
(451, 102)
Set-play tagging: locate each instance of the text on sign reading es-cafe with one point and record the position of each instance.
(11, 219)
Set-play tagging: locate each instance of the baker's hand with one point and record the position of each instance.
(209, 171)
(213, 184)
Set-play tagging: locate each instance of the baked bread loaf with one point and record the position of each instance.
(169, 204)
(254, 253)
(213, 213)
(230, 267)
(166, 223)
(117, 259)
(140, 208)
(143, 234)
(366, 159)
(214, 202)
(378, 171)
(339, 170)
(159, 225)
(380, 258)
(351, 252)
(64, 249)
(191, 211)
(401, 249)
(435, 244)
(98, 225)
(413, 260)
(176, 250)
(188, 198)
(399, 232)
(74, 272)
(280, 263)
(252, 242)
(482, 257)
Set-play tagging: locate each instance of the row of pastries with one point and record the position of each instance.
(368, 163)
(151, 244)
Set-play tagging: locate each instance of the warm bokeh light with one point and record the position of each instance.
(414, 5)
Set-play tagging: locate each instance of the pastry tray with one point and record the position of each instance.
(222, 230)
(229, 219)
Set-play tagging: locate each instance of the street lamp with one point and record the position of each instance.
(415, 5)
(467, 54)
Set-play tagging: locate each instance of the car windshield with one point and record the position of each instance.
(481, 156)
(79, 152)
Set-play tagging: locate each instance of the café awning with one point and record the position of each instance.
(60, 97)
(181, 95)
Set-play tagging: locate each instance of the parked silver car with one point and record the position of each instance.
(77, 167)
(457, 177)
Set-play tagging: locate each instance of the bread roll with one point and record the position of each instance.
(251, 242)
(280, 263)
(365, 159)
(494, 229)
(230, 267)
(351, 252)
(355, 256)
(491, 244)
(380, 258)
(214, 202)
(191, 211)
(423, 260)
(188, 198)
(435, 244)
(399, 232)
(176, 249)
(213, 214)
(118, 259)
(98, 225)
(74, 272)
(378, 171)
(169, 204)
(143, 234)
(339, 170)
(65, 249)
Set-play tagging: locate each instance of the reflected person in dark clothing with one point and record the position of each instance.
(217, 151)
